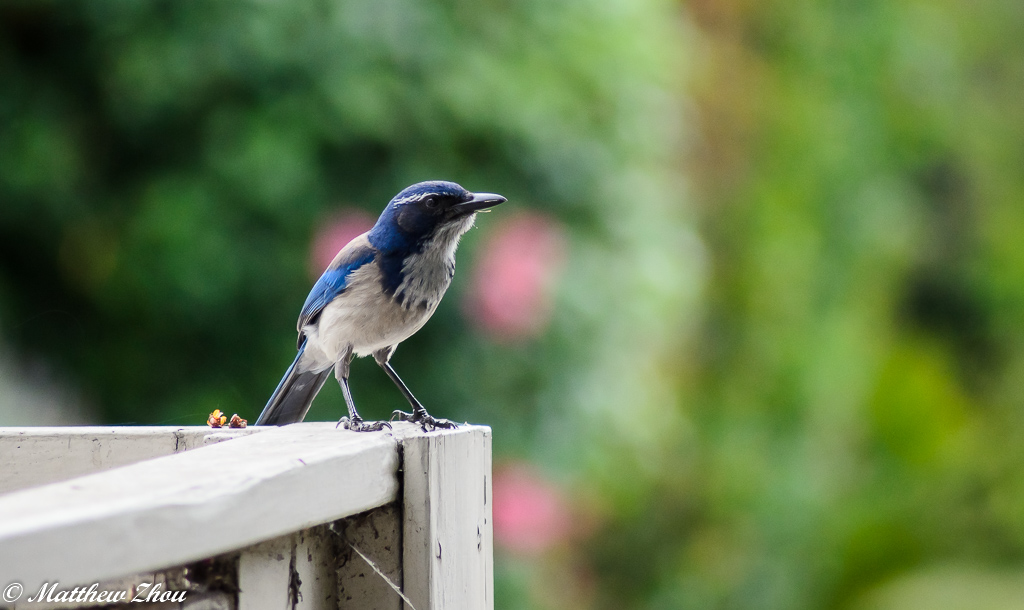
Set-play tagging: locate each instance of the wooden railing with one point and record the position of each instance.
(302, 516)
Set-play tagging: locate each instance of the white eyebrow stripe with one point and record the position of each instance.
(412, 198)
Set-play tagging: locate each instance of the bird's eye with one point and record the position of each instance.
(430, 202)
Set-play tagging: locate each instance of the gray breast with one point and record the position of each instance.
(426, 275)
(424, 281)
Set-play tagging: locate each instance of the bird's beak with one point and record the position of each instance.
(480, 201)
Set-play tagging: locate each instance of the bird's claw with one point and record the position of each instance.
(358, 425)
(426, 421)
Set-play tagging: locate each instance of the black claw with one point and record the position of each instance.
(440, 423)
(358, 425)
(426, 421)
(402, 416)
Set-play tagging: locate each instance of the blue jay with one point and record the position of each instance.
(380, 289)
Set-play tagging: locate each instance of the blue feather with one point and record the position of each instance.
(333, 282)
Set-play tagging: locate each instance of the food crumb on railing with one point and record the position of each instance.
(217, 419)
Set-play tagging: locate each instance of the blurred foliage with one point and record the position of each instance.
(853, 395)
(799, 389)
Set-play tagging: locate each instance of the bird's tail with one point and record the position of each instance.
(290, 401)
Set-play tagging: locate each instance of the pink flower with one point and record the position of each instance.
(511, 288)
(530, 514)
(332, 236)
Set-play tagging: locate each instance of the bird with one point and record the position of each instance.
(378, 291)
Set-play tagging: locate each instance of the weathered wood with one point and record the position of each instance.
(447, 537)
(180, 508)
(296, 572)
(30, 457)
(316, 558)
(378, 535)
(217, 600)
(265, 575)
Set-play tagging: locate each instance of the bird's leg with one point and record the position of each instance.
(353, 421)
(419, 414)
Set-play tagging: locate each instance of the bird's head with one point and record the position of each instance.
(427, 210)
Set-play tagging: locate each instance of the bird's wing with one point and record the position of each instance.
(334, 281)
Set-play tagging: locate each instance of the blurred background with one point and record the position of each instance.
(750, 330)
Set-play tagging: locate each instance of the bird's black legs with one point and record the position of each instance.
(419, 414)
(353, 421)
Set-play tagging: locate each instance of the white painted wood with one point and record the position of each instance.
(276, 485)
(172, 510)
(448, 536)
(264, 575)
(30, 457)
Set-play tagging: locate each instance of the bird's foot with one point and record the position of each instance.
(357, 424)
(424, 419)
